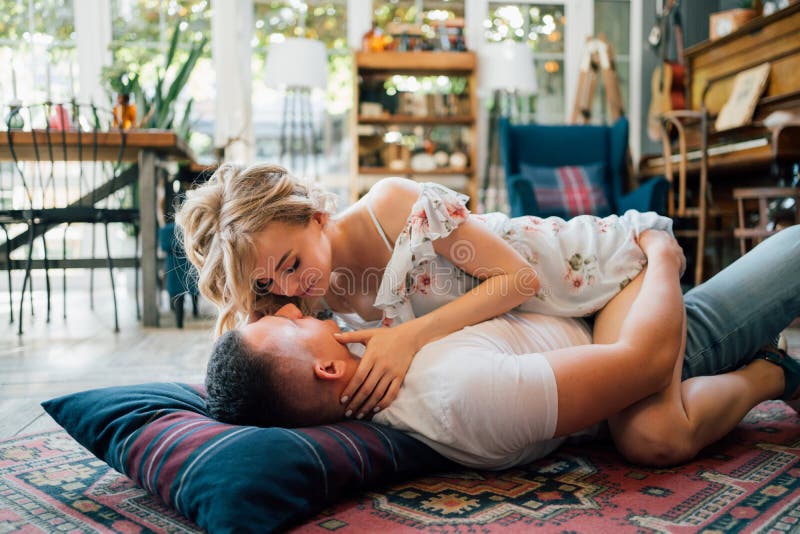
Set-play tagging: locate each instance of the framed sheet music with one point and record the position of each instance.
(747, 88)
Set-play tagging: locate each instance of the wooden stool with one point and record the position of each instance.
(760, 231)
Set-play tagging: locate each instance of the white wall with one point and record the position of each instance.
(93, 37)
(231, 33)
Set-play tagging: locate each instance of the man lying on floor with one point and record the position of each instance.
(511, 389)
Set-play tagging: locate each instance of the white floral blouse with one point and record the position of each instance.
(581, 262)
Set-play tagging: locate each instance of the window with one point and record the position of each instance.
(542, 26)
(422, 12)
(325, 20)
(37, 38)
(141, 33)
(556, 31)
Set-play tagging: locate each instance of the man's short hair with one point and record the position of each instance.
(246, 388)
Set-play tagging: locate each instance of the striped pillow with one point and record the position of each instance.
(226, 477)
(568, 191)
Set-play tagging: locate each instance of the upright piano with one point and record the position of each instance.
(763, 152)
(758, 148)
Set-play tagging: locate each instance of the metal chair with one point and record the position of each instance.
(4, 223)
(64, 186)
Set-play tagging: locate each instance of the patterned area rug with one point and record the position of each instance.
(749, 482)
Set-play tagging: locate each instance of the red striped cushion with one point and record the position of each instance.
(568, 191)
(228, 478)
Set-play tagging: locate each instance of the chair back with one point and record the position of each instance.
(62, 169)
(57, 159)
(180, 275)
(66, 168)
(568, 145)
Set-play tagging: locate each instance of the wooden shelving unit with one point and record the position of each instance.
(371, 64)
(419, 62)
(411, 173)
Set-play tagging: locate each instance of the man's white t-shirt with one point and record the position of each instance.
(482, 396)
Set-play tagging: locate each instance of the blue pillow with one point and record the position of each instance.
(231, 478)
(559, 191)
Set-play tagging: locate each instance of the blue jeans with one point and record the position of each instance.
(744, 307)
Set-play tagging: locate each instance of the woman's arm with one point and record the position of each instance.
(508, 280)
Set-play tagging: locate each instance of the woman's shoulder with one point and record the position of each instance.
(393, 190)
(395, 194)
(391, 200)
(396, 201)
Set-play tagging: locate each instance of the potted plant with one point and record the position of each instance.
(157, 104)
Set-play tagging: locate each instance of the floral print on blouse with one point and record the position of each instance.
(581, 262)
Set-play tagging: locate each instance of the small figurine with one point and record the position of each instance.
(124, 112)
(14, 119)
(59, 120)
(375, 40)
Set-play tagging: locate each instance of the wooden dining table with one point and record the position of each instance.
(145, 147)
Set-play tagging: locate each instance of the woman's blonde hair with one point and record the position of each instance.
(219, 220)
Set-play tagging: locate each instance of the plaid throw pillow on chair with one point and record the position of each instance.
(568, 191)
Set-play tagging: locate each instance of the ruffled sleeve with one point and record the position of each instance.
(647, 220)
(435, 215)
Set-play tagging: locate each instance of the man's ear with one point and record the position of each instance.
(329, 369)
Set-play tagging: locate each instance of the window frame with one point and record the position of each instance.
(580, 17)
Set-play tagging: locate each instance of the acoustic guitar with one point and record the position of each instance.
(668, 85)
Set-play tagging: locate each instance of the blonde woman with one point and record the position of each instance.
(406, 255)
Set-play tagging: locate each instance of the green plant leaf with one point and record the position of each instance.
(184, 72)
(162, 74)
(183, 129)
(156, 108)
(173, 46)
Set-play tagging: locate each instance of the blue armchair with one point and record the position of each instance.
(574, 145)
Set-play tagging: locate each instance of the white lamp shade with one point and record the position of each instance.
(297, 63)
(507, 65)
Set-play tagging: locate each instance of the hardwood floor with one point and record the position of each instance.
(83, 352)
